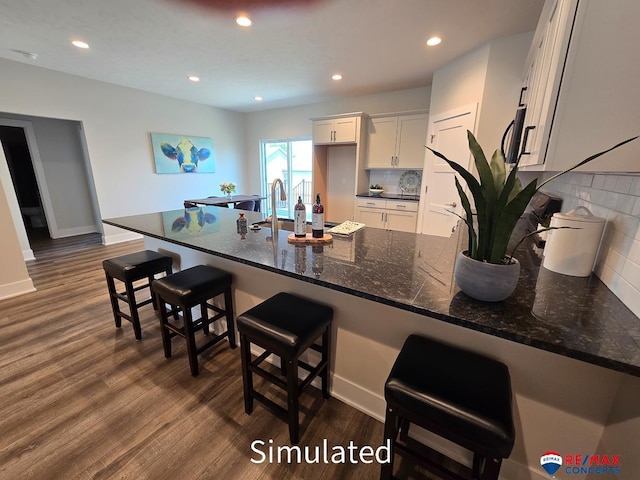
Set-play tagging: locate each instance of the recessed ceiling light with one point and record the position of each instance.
(243, 21)
(193, 78)
(433, 41)
(79, 44)
(336, 76)
(257, 98)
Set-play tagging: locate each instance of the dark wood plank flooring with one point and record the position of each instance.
(82, 399)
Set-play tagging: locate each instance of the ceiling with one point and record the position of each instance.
(287, 56)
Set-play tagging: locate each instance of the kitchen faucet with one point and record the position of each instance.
(283, 197)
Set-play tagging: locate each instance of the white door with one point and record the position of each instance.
(448, 135)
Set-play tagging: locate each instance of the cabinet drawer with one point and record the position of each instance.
(370, 203)
(402, 206)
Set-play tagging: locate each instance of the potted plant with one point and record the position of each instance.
(484, 270)
(228, 188)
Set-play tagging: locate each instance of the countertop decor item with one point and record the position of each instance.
(500, 200)
(410, 181)
(375, 189)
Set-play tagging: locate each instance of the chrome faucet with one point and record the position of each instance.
(283, 197)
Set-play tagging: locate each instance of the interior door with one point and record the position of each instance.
(448, 135)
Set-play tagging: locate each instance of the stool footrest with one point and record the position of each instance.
(212, 342)
(276, 409)
(431, 465)
(280, 382)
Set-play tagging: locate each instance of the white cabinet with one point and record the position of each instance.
(582, 95)
(397, 141)
(389, 214)
(335, 130)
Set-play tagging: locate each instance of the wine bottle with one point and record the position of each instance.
(299, 219)
(317, 219)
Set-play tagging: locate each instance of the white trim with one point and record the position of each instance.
(14, 289)
(28, 255)
(120, 237)
(71, 232)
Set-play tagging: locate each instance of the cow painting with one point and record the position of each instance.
(182, 154)
(186, 153)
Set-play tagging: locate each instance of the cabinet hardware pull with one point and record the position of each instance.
(382, 217)
(401, 206)
(524, 140)
(522, 90)
(454, 204)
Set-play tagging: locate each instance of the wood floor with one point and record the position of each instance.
(82, 399)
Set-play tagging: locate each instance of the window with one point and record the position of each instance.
(290, 160)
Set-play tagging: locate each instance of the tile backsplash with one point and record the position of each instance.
(616, 198)
(390, 179)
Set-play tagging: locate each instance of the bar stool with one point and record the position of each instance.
(456, 394)
(285, 325)
(185, 290)
(129, 269)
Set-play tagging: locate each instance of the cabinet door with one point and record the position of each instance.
(322, 132)
(345, 130)
(411, 139)
(371, 217)
(382, 142)
(401, 221)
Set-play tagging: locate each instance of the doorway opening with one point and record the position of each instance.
(25, 184)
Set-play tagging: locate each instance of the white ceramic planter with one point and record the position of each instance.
(486, 281)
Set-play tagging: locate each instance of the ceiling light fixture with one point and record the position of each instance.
(79, 44)
(336, 76)
(433, 41)
(257, 98)
(243, 21)
(193, 78)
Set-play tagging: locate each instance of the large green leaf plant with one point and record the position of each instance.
(499, 200)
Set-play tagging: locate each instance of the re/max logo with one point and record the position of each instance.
(592, 460)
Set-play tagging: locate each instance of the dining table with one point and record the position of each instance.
(226, 201)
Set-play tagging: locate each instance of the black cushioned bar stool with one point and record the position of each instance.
(285, 325)
(129, 269)
(185, 290)
(456, 394)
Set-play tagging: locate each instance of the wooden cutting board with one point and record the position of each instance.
(309, 240)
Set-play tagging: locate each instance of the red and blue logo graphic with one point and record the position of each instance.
(551, 461)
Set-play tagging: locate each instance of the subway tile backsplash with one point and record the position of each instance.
(617, 199)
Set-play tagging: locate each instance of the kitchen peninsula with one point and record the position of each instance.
(386, 284)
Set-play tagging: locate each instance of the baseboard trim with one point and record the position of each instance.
(28, 255)
(72, 232)
(14, 289)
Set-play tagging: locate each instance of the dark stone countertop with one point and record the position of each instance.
(574, 317)
(391, 196)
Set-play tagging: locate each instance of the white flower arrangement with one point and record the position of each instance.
(228, 188)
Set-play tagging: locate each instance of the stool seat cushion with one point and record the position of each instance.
(193, 285)
(466, 395)
(137, 265)
(285, 323)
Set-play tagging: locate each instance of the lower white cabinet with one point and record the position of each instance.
(389, 214)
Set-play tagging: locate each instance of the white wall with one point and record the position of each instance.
(294, 122)
(117, 122)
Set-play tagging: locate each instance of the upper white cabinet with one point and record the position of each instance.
(397, 141)
(336, 130)
(581, 86)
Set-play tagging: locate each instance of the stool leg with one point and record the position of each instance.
(326, 356)
(111, 286)
(166, 334)
(151, 278)
(390, 433)
(247, 378)
(191, 340)
(293, 401)
(204, 318)
(231, 323)
(491, 469)
(133, 307)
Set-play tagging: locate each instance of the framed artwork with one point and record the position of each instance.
(182, 153)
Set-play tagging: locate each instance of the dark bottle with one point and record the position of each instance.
(317, 219)
(317, 260)
(300, 259)
(300, 219)
(241, 224)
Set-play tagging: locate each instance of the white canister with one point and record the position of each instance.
(572, 251)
